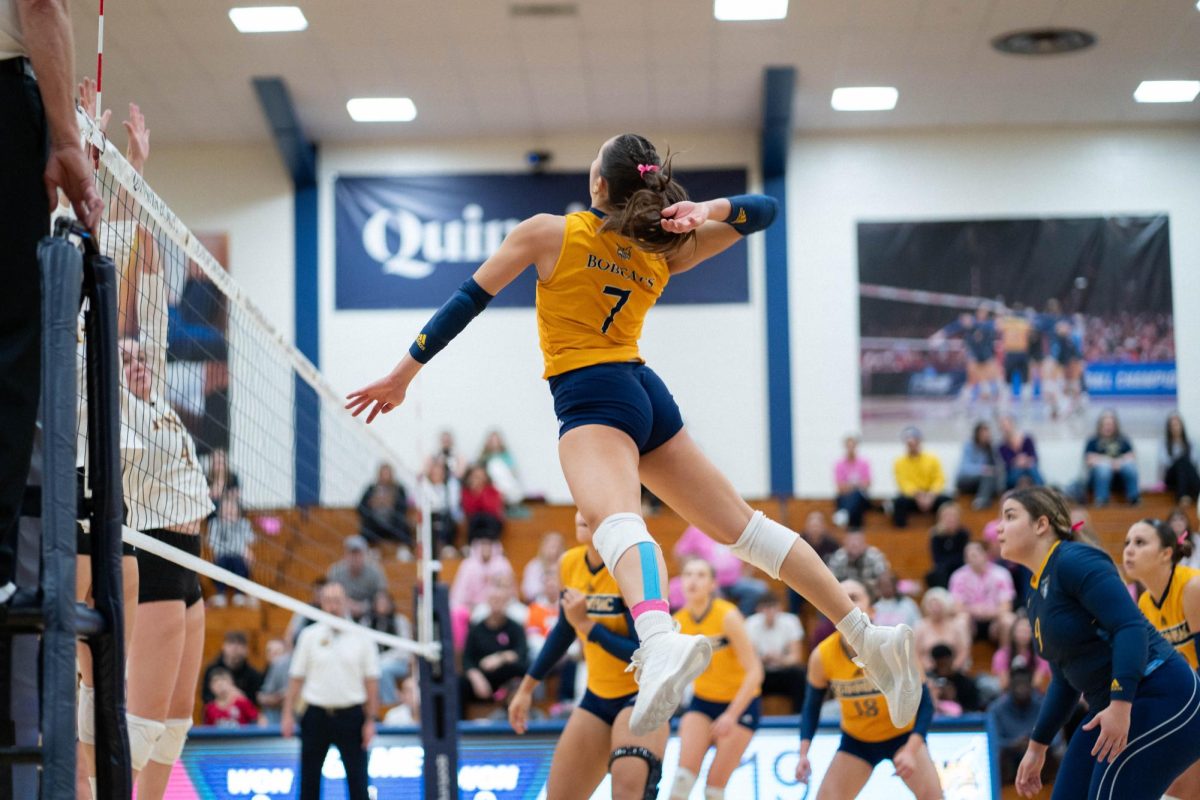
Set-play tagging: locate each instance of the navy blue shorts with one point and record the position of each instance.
(749, 718)
(872, 752)
(606, 708)
(623, 395)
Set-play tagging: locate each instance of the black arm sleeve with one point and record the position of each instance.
(616, 645)
(554, 648)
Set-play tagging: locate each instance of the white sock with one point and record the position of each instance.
(853, 628)
(713, 793)
(681, 787)
(652, 623)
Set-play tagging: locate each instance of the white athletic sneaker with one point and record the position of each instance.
(663, 669)
(888, 659)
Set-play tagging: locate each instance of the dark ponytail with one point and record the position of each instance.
(1181, 546)
(638, 196)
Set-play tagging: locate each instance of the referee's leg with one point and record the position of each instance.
(316, 734)
(347, 732)
(24, 219)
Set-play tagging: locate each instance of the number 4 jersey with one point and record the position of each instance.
(864, 708)
(592, 308)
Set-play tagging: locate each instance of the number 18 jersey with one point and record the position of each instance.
(865, 713)
(592, 308)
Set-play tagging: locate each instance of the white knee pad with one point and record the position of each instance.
(713, 793)
(170, 744)
(681, 787)
(765, 544)
(143, 736)
(617, 534)
(85, 714)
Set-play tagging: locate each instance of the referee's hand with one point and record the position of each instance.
(68, 169)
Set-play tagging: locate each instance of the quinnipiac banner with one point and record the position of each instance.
(408, 241)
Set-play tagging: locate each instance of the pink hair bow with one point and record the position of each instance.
(644, 168)
(1077, 527)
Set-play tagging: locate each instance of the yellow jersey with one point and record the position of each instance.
(721, 681)
(606, 675)
(865, 713)
(1167, 617)
(592, 308)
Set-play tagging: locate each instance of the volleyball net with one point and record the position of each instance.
(226, 428)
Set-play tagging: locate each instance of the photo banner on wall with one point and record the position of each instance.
(961, 321)
(408, 241)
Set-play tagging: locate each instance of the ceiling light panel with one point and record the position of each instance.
(268, 19)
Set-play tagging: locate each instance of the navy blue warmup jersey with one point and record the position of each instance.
(1088, 627)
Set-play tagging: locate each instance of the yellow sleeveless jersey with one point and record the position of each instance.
(606, 675)
(1168, 617)
(592, 309)
(864, 708)
(721, 681)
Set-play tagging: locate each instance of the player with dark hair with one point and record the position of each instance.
(599, 273)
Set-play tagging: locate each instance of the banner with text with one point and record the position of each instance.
(408, 241)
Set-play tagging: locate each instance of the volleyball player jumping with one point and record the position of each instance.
(599, 273)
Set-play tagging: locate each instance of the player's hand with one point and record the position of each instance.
(384, 394)
(518, 711)
(905, 760)
(684, 216)
(1029, 774)
(67, 169)
(803, 769)
(722, 726)
(574, 604)
(1114, 730)
(139, 138)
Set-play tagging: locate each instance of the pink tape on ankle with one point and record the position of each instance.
(650, 605)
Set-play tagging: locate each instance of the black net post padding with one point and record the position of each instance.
(62, 270)
(113, 779)
(438, 681)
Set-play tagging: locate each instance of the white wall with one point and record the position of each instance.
(711, 356)
(836, 180)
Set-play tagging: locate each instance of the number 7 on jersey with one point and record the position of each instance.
(622, 296)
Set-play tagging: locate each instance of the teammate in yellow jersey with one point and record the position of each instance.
(727, 704)
(599, 273)
(597, 733)
(868, 735)
(1171, 602)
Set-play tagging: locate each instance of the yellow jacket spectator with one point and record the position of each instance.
(920, 480)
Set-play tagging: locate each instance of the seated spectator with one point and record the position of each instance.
(1019, 453)
(891, 607)
(1019, 654)
(229, 538)
(408, 711)
(394, 664)
(383, 513)
(855, 560)
(1181, 526)
(483, 562)
(447, 455)
(1177, 462)
(502, 469)
(517, 611)
(941, 623)
(920, 479)
(816, 533)
(737, 587)
(981, 470)
(852, 477)
(945, 673)
(443, 493)
(1108, 455)
(232, 658)
(543, 613)
(482, 506)
(495, 654)
(533, 578)
(274, 685)
(985, 592)
(221, 479)
(947, 545)
(777, 636)
(1012, 718)
(229, 708)
(361, 578)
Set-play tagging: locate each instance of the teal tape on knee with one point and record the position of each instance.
(651, 587)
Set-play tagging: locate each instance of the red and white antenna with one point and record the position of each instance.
(99, 60)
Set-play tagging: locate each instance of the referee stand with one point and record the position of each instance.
(43, 733)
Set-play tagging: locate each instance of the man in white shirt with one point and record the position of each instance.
(777, 637)
(337, 675)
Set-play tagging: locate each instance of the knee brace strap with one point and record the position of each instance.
(170, 744)
(681, 787)
(653, 764)
(85, 714)
(765, 544)
(143, 736)
(617, 534)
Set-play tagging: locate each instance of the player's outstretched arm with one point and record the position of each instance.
(536, 241)
(718, 224)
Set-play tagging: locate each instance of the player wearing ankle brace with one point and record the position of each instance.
(727, 703)
(868, 735)
(597, 732)
(599, 272)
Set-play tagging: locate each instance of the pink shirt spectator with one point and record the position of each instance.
(695, 543)
(988, 590)
(470, 587)
(857, 472)
(1002, 661)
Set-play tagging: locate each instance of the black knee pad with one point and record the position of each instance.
(653, 763)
